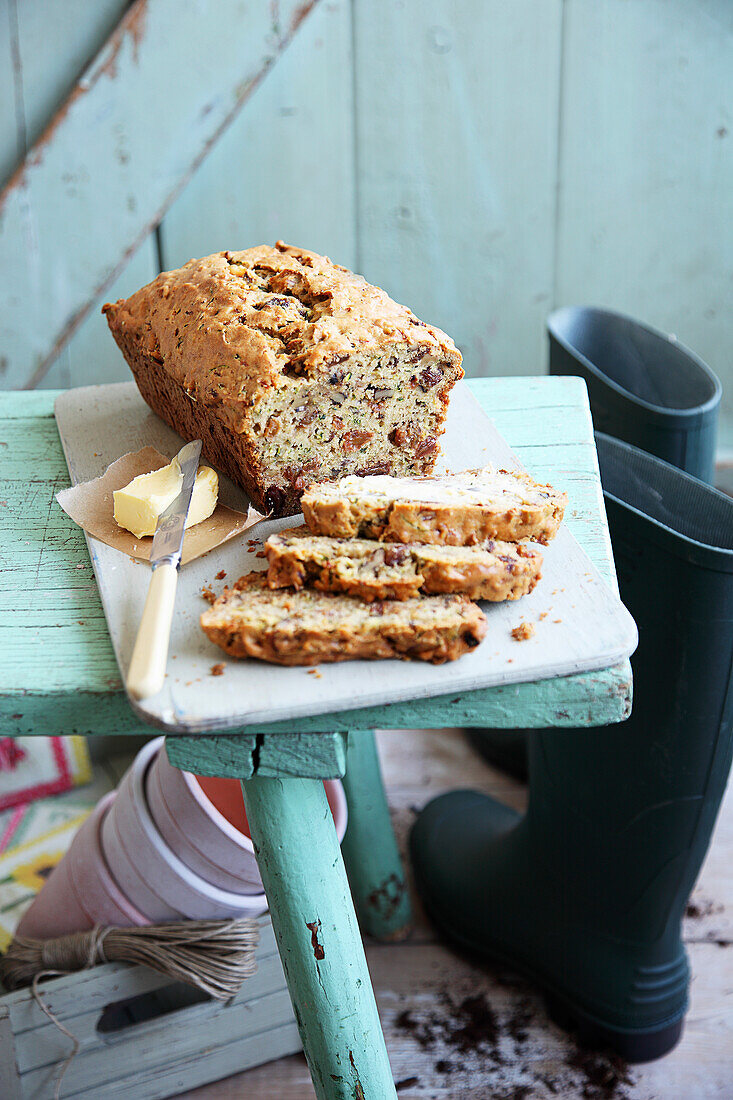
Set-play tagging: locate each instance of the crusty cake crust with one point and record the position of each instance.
(309, 628)
(289, 367)
(463, 509)
(228, 451)
(495, 571)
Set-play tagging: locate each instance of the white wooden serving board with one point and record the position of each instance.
(586, 626)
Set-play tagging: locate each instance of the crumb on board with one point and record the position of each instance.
(221, 575)
(543, 616)
(314, 672)
(523, 632)
(217, 669)
(208, 593)
(260, 554)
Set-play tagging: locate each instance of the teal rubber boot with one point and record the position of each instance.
(586, 892)
(645, 388)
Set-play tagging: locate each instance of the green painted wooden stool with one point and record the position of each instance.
(58, 676)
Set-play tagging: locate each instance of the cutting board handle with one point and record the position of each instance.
(150, 656)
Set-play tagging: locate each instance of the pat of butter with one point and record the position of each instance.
(139, 505)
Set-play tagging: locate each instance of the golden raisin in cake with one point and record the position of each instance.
(309, 627)
(494, 571)
(290, 368)
(454, 510)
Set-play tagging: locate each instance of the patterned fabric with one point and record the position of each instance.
(35, 835)
(25, 868)
(36, 767)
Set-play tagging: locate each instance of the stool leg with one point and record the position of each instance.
(373, 863)
(318, 938)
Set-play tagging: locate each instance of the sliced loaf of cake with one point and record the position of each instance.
(308, 627)
(460, 509)
(381, 571)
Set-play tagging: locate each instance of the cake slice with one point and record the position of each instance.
(462, 509)
(289, 368)
(309, 628)
(389, 571)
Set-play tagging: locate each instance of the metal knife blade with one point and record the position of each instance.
(168, 537)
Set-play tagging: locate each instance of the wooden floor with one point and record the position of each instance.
(433, 1004)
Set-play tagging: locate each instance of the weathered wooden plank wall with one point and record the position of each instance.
(645, 213)
(136, 125)
(482, 161)
(39, 64)
(286, 166)
(457, 183)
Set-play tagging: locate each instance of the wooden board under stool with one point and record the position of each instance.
(142, 1035)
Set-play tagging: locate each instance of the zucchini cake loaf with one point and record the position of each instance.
(493, 571)
(309, 627)
(290, 368)
(461, 509)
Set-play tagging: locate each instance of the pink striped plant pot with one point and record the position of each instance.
(159, 883)
(80, 891)
(203, 820)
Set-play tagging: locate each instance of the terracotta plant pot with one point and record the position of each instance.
(204, 822)
(80, 891)
(147, 869)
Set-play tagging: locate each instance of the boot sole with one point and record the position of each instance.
(633, 1046)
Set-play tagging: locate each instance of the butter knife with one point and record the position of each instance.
(150, 654)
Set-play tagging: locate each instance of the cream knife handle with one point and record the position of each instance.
(149, 657)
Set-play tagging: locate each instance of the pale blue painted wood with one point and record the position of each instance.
(456, 159)
(150, 1059)
(376, 875)
(645, 217)
(318, 938)
(11, 144)
(12, 138)
(11, 1077)
(241, 755)
(54, 49)
(92, 353)
(43, 1045)
(114, 157)
(47, 68)
(285, 167)
(44, 69)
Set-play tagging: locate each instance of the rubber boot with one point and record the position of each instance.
(645, 388)
(586, 892)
